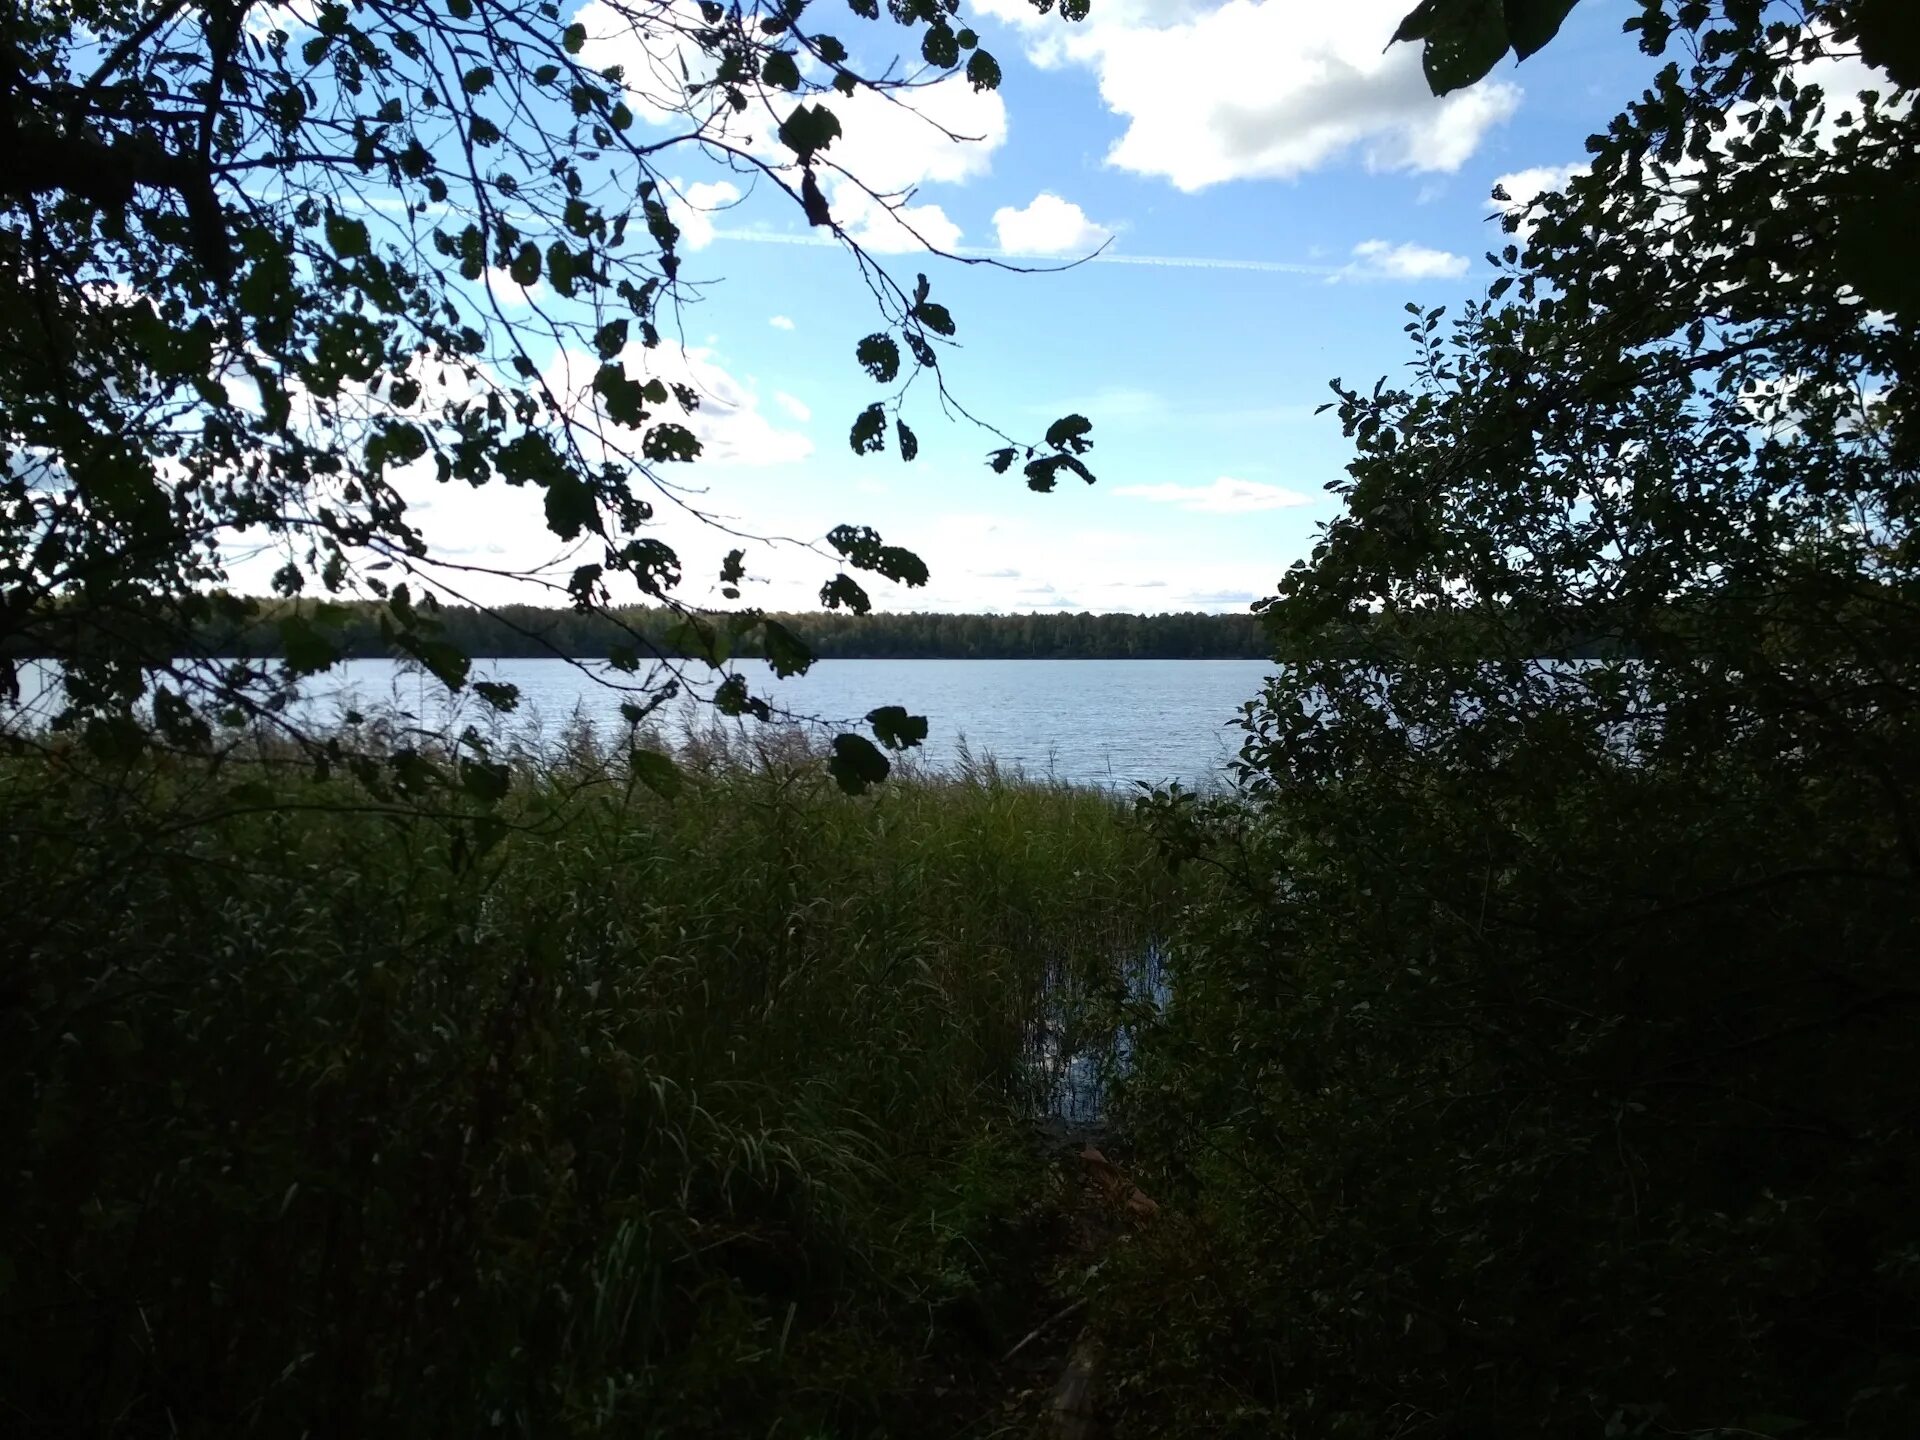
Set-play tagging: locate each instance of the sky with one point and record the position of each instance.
(1272, 185)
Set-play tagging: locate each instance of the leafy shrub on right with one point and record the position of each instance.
(1542, 1058)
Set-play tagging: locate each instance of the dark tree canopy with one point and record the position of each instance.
(253, 256)
(1546, 1064)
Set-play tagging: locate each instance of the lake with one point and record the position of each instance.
(1089, 722)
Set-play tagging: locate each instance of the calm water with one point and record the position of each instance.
(1085, 721)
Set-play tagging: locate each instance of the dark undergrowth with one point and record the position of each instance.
(692, 1116)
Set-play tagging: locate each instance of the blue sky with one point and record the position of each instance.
(1276, 136)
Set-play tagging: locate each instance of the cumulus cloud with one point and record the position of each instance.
(891, 228)
(509, 292)
(691, 208)
(1328, 87)
(1523, 187)
(1048, 226)
(944, 133)
(657, 55)
(796, 409)
(728, 421)
(1379, 260)
(1225, 496)
(780, 322)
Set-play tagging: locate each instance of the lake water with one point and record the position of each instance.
(1104, 722)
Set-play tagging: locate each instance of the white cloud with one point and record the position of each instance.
(509, 292)
(1048, 226)
(797, 409)
(1379, 260)
(1314, 84)
(1523, 187)
(1225, 496)
(657, 54)
(944, 133)
(891, 228)
(728, 421)
(780, 322)
(691, 208)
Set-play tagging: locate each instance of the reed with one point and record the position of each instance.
(690, 1115)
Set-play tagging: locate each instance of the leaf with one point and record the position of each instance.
(934, 316)
(574, 38)
(843, 592)
(525, 268)
(869, 434)
(670, 441)
(698, 639)
(477, 79)
(570, 506)
(809, 130)
(909, 442)
(622, 397)
(879, 357)
(895, 728)
(1042, 473)
(498, 695)
(655, 771)
(560, 267)
(813, 200)
(731, 697)
(938, 46)
(305, 650)
(1070, 433)
(863, 548)
(1418, 23)
(786, 652)
(1002, 459)
(983, 71)
(347, 237)
(610, 339)
(856, 765)
(781, 70)
(1464, 43)
(1532, 23)
(544, 75)
(447, 662)
(486, 781)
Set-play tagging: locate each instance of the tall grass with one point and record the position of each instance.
(698, 1115)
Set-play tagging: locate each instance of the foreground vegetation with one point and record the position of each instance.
(697, 1116)
(1538, 1053)
(1547, 1063)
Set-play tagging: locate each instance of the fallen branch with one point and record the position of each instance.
(1045, 1325)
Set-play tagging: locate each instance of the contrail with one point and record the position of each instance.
(1107, 257)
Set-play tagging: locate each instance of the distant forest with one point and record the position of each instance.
(527, 630)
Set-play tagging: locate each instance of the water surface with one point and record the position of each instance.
(1104, 722)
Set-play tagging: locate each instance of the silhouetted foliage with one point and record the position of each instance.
(1547, 1061)
(260, 265)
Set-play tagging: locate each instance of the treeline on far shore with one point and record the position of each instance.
(511, 631)
(259, 628)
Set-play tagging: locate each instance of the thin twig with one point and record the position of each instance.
(1045, 1325)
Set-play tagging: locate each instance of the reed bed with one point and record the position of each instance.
(687, 1115)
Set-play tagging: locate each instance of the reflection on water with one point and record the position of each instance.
(1084, 1039)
